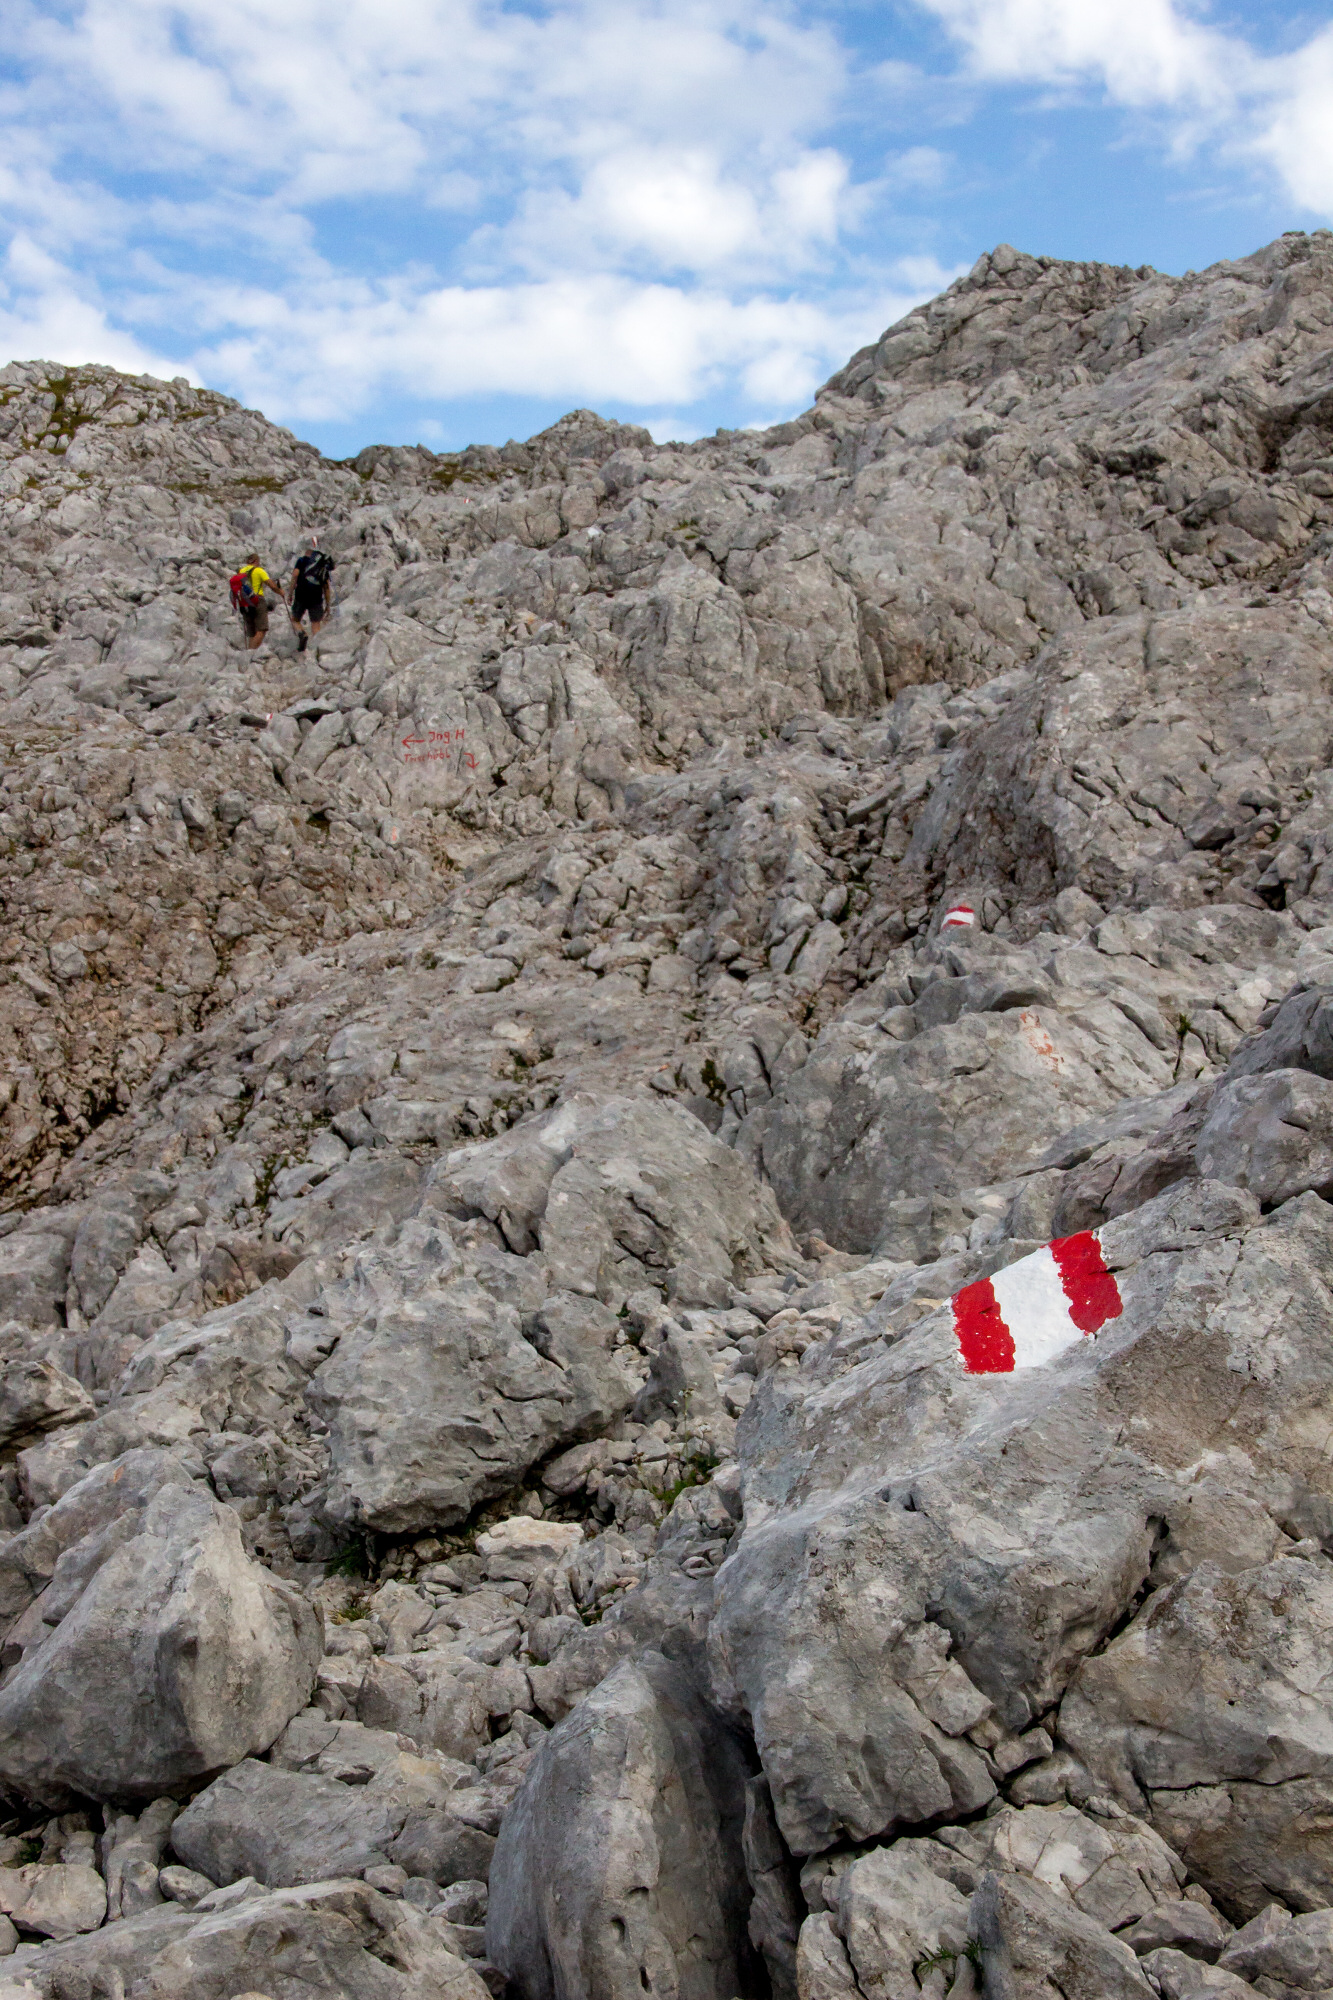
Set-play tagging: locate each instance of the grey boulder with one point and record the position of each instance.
(1300, 1036)
(617, 1870)
(436, 1398)
(1211, 1710)
(619, 1194)
(962, 1103)
(55, 1900)
(36, 1394)
(923, 1545)
(1271, 1133)
(926, 1914)
(1184, 1926)
(1294, 1953)
(1033, 1944)
(169, 1655)
(338, 1937)
(891, 1910)
(288, 1827)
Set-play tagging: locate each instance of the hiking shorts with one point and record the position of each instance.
(255, 619)
(308, 604)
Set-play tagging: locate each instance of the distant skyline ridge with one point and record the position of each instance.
(453, 220)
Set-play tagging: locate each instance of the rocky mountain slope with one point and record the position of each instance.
(542, 1447)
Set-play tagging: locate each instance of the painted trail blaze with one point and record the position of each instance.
(1031, 1311)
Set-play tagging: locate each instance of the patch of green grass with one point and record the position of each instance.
(355, 1560)
(946, 1959)
(468, 475)
(714, 1083)
(268, 1173)
(697, 1471)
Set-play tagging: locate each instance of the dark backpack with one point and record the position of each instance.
(315, 569)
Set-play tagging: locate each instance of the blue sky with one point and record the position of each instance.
(447, 220)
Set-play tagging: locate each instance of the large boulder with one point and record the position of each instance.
(1293, 1954)
(1015, 1907)
(1271, 1132)
(34, 1274)
(929, 1553)
(892, 1909)
(160, 1653)
(108, 1500)
(36, 1394)
(962, 1102)
(338, 1937)
(410, 1796)
(1299, 1036)
(441, 1697)
(1210, 1712)
(618, 1868)
(1034, 1944)
(619, 1195)
(287, 1827)
(438, 1396)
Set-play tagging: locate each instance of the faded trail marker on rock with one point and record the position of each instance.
(1028, 1313)
(960, 918)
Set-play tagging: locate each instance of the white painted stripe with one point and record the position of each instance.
(1032, 1301)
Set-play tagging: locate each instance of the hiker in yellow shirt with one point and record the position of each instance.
(248, 588)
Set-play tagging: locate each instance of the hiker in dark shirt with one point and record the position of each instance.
(311, 594)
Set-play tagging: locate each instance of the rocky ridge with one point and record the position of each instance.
(494, 1117)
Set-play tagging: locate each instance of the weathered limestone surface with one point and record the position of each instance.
(497, 1107)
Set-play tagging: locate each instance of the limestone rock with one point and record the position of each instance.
(1219, 1735)
(1294, 1952)
(287, 1827)
(1271, 1133)
(57, 1901)
(876, 1512)
(618, 1867)
(352, 1940)
(497, 1105)
(436, 1397)
(170, 1655)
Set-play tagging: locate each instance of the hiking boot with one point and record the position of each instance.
(302, 641)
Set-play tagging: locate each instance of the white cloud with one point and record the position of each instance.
(1145, 51)
(678, 210)
(46, 315)
(626, 200)
(1296, 135)
(1213, 87)
(360, 96)
(596, 338)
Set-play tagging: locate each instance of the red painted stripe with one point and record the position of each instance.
(1092, 1292)
(985, 1341)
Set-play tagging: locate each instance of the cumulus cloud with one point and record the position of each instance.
(1296, 135)
(1145, 51)
(587, 338)
(46, 314)
(1213, 86)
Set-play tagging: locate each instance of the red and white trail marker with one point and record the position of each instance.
(960, 918)
(1028, 1313)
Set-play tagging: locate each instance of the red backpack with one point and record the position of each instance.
(243, 597)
